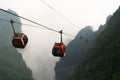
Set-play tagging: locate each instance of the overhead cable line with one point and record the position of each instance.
(59, 14)
(21, 23)
(29, 20)
(34, 22)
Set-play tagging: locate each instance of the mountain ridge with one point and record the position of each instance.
(12, 65)
(102, 60)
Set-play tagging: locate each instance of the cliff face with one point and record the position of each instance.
(103, 60)
(12, 66)
(77, 50)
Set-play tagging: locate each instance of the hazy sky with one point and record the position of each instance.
(82, 13)
(79, 12)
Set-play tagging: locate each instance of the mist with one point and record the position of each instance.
(38, 53)
(12, 59)
(77, 50)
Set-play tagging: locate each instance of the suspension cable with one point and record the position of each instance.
(21, 23)
(35, 22)
(29, 20)
(59, 14)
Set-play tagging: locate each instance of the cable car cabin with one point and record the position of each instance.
(59, 50)
(19, 40)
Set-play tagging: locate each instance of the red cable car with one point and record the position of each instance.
(59, 48)
(19, 39)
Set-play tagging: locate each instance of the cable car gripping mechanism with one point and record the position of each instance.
(61, 35)
(11, 21)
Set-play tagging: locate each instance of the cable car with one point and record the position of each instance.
(19, 39)
(59, 48)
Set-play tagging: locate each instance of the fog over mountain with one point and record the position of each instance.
(103, 59)
(12, 65)
(76, 51)
(38, 58)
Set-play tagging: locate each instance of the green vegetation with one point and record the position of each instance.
(103, 59)
(12, 66)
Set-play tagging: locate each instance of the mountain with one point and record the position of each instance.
(12, 65)
(102, 61)
(76, 51)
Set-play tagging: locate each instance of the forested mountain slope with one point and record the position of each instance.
(12, 65)
(103, 60)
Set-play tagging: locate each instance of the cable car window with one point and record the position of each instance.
(57, 52)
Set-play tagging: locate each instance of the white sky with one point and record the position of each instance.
(80, 12)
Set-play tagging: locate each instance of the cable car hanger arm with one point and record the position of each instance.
(11, 21)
